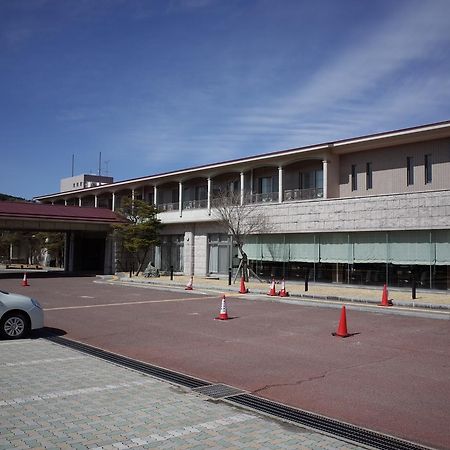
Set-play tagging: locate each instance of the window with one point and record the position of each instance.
(369, 175)
(409, 171)
(428, 169)
(311, 180)
(265, 185)
(354, 181)
(201, 192)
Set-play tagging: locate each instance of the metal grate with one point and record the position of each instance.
(218, 391)
(155, 371)
(325, 424)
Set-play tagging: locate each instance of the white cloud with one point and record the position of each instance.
(359, 80)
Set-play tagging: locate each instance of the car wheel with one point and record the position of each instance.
(14, 326)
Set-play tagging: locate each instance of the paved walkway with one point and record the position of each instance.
(56, 398)
(331, 292)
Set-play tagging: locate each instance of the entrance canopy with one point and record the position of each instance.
(42, 217)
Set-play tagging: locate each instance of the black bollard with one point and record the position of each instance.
(413, 288)
(306, 280)
(229, 276)
(171, 273)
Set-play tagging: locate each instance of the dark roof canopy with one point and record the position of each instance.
(40, 211)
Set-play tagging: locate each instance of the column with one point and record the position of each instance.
(209, 195)
(155, 195)
(96, 201)
(113, 201)
(325, 178)
(132, 195)
(79, 201)
(251, 183)
(65, 202)
(180, 198)
(242, 187)
(280, 184)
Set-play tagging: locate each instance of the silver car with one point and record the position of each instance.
(19, 315)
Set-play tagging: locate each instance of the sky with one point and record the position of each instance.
(160, 85)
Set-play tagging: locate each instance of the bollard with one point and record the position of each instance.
(413, 288)
(171, 273)
(130, 274)
(229, 275)
(306, 279)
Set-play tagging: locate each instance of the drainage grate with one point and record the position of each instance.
(325, 424)
(155, 371)
(218, 391)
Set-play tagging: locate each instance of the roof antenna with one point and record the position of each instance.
(73, 163)
(100, 164)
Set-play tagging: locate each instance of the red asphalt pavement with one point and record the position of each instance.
(393, 376)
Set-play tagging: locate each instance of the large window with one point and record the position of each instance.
(172, 252)
(265, 185)
(374, 258)
(219, 253)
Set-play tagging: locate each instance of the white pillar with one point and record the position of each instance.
(280, 184)
(251, 183)
(242, 187)
(180, 198)
(95, 201)
(113, 201)
(65, 202)
(79, 201)
(325, 178)
(209, 195)
(155, 195)
(132, 195)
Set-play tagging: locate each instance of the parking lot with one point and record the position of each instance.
(391, 375)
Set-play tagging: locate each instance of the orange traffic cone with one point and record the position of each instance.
(272, 292)
(25, 281)
(223, 315)
(342, 329)
(190, 285)
(384, 298)
(243, 289)
(283, 292)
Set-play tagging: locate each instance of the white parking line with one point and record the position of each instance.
(41, 361)
(143, 302)
(211, 425)
(59, 394)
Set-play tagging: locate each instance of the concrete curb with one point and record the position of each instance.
(294, 296)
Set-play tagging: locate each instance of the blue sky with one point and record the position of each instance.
(158, 85)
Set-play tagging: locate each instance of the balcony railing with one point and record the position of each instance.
(264, 198)
(195, 204)
(303, 194)
(163, 207)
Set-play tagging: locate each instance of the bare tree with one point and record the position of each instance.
(240, 218)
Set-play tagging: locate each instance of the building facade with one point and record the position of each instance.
(366, 210)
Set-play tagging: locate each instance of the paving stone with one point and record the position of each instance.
(76, 401)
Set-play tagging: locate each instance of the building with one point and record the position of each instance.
(84, 181)
(365, 210)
